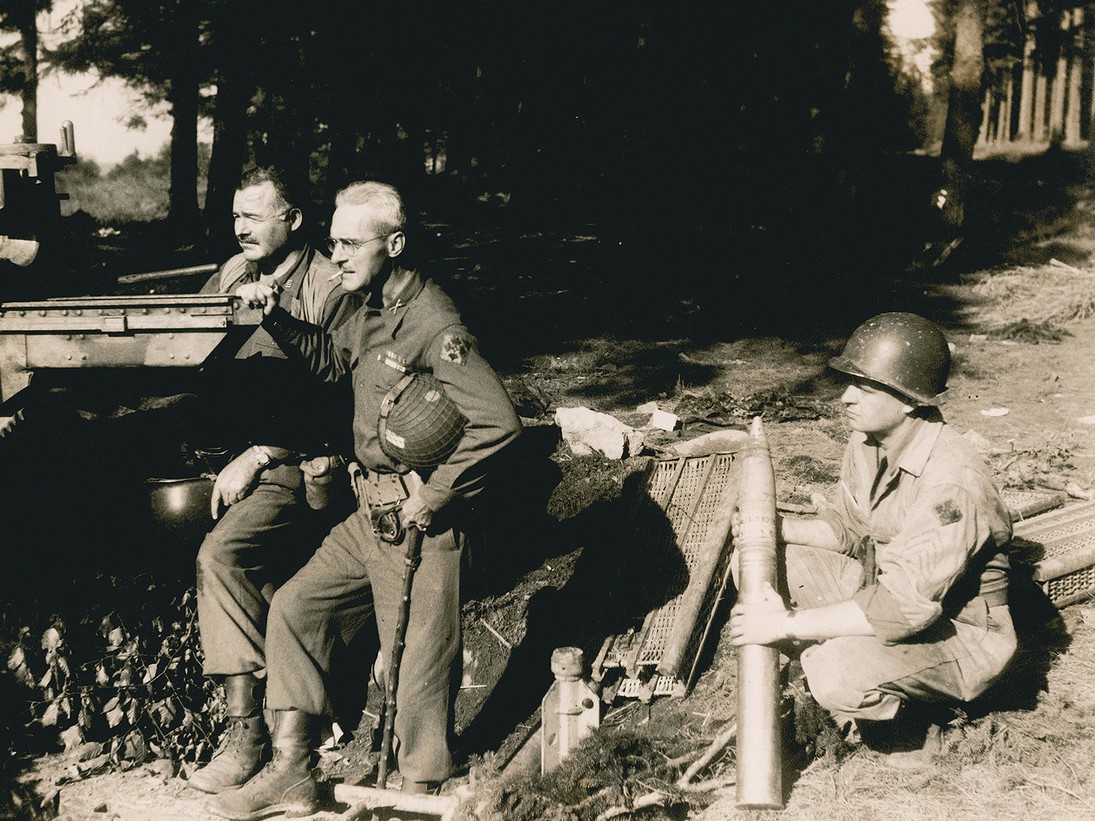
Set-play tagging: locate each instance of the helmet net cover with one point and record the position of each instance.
(419, 426)
(902, 351)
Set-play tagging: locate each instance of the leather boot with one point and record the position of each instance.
(245, 743)
(922, 755)
(285, 786)
(911, 741)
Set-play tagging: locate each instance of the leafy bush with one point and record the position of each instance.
(137, 694)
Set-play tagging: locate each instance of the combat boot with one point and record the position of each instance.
(911, 741)
(921, 755)
(245, 743)
(285, 786)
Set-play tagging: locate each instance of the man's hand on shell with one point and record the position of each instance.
(735, 525)
(762, 621)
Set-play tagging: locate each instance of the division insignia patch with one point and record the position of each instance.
(947, 512)
(454, 348)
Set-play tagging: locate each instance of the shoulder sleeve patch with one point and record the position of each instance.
(947, 512)
(454, 348)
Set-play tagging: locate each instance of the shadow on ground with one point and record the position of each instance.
(627, 563)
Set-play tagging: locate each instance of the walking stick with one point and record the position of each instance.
(411, 557)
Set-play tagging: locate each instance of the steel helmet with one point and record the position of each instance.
(902, 351)
(420, 426)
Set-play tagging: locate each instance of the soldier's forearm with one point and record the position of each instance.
(828, 622)
(277, 453)
(300, 339)
(811, 532)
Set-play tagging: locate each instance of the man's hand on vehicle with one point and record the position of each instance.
(257, 295)
(8, 423)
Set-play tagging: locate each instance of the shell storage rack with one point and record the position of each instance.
(1059, 546)
(697, 494)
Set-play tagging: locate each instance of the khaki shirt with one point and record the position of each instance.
(311, 292)
(263, 398)
(939, 527)
(421, 332)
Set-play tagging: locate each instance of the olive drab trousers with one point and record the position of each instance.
(352, 576)
(861, 677)
(255, 545)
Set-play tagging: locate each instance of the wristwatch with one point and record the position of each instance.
(261, 456)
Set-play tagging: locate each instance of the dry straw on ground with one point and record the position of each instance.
(1014, 765)
(1054, 293)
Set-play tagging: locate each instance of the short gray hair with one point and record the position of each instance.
(384, 200)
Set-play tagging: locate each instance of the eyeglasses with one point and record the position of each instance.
(351, 246)
(256, 218)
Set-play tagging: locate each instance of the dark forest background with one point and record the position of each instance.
(717, 156)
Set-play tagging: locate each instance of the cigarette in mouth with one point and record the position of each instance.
(333, 277)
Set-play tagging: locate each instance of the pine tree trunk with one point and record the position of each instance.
(24, 18)
(292, 117)
(1009, 108)
(227, 160)
(983, 135)
(1038, 133)
(1089, 46)
(183, 191)
(1057, 93)
(1075, 78)
(960, 130)
(182, 96)
(235, 85)
(1026, 92)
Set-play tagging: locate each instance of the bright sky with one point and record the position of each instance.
(98, 114)
(911, 19)
(98, 111)
(910, 22)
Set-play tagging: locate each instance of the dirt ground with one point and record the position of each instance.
(1026, 752)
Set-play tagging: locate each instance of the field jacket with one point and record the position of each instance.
(938, 526)
(421, 332)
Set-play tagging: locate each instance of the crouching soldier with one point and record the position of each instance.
(899, 592)
(407, 339)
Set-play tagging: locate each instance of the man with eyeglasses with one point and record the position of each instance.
(408, 326)
(278, 431)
